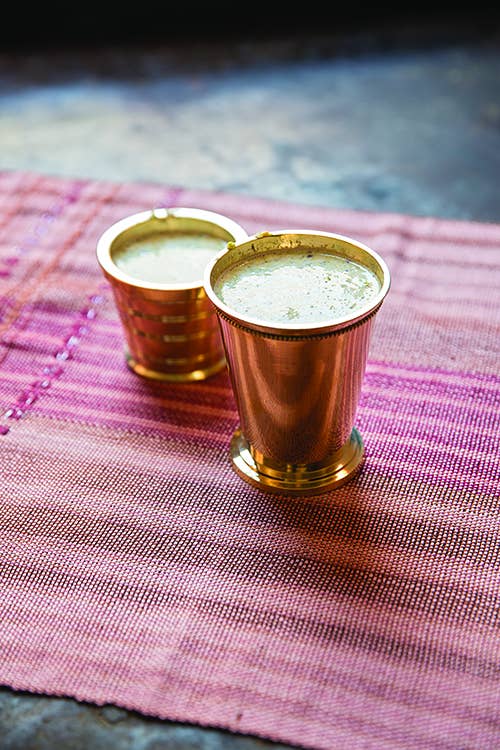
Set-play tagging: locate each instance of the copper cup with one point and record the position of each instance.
(171, 330)
(296, 387)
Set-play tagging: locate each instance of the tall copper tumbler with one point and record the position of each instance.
(296, 387)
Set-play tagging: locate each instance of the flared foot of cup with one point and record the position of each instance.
(300, 479)
(174, 377)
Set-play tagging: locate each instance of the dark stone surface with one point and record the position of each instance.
(403, 119)
(32, 722)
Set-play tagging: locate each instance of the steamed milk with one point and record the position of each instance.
(297, 287)
(169, 258)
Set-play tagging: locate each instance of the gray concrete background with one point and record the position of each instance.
(399, 123)
(403, 119)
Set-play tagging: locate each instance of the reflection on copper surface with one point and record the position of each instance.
(296, 389)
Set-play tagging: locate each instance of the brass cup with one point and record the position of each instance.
(296, 387)
(171, 330)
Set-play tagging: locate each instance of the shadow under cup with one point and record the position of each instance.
(296, 387)
(171, 329)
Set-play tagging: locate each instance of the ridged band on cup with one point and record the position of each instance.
(298, 337)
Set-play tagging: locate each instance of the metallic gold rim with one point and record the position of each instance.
(300, 479)
(175, 377)
(163, 220)
(298, 337)
(286, 240)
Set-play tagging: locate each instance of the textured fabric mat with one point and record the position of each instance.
(137, 568)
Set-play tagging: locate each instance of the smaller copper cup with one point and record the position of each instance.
(171, 329)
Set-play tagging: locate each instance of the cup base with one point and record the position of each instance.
(174, 377)
(300, 479)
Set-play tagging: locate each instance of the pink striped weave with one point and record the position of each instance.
(137, 569)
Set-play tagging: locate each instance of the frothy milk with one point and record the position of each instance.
(299, 286)
(169, 258)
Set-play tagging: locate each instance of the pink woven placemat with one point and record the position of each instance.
(136, 567)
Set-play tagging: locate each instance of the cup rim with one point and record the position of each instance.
(107, 238)
(299, 329)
